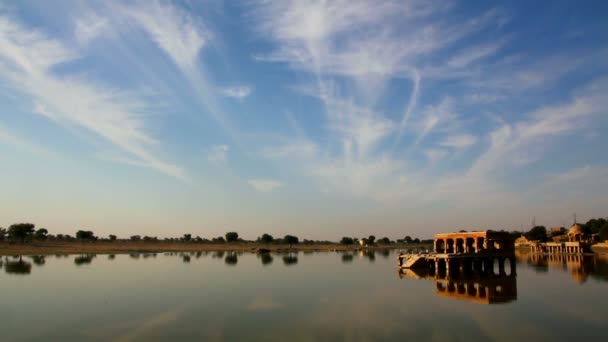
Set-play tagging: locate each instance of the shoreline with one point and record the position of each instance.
(46, 248)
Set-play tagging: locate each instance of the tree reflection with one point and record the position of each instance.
(231, 259)
(38, 260)
(218, 255)
(111, 257)
(134, 255)
(186, 258)
(18, 267)
(347, 258)
(384, 253)
(266, 258)
(84, 259)
(370, 255)
(290, 259)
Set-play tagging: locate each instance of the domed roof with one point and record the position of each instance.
(575, 229)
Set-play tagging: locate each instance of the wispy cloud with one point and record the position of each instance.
(27, 59)
(87, 28)
(218, 155)
(458, 141)
(238, 92)
(265, 185)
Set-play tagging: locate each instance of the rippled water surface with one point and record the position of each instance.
(299, 297)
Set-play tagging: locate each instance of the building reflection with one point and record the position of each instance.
(581, 267)
(484, 288)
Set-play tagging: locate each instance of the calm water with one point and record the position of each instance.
(302, 297)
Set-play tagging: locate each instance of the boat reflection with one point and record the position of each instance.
(479, 288)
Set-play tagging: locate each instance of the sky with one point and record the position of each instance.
(320, 119)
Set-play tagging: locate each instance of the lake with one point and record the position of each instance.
(322, 296)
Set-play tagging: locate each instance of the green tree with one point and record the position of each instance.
(408, 239)
(41, 234)
(416, 240)
(371, 239)
(291, 240)
(594, 225)
(112, 237)
(232, 237)
(21, 231)
(135, 238)
(266, 238)
(347, 241)
(538, 233)
(187, 237)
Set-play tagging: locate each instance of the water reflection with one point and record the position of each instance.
(38, 260)
(218, 255)
(84, 259)
(19, 267)
(186, 258)
(231, 259)
(266, 258)
(347, 258)
(580, 267)
(290, 259)
(369, 254)
(480, 288)
(111, 257)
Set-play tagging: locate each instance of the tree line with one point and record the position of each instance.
(27, 232)
(593, 226)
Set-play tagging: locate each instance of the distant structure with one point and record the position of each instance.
(466, 253)
(468, 266)
(578, 243)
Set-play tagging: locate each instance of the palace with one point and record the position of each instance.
(578, 243)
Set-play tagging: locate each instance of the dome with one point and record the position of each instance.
(575, 229)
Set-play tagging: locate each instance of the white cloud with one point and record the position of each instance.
(26, 58)
(175, 31)
(435, 154)
(218, 155)
(458, 141)
(238, 92)
(474, 54)
(265, 185)
(88, 28)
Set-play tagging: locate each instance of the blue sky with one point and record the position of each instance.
(315, 118)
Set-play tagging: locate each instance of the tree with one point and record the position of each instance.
(408, 239)
(135, 238)
(384, 240)
(538, 233)
(371, 239)
(2, 233)
(232, 237)
(594, 225)
(416, 240)
(604, 232)
(266, 238)
(291, 240)
(347, 241)
(112, 237)
(187, 237)
(85, 235)
(21, 231)
(41, 234)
